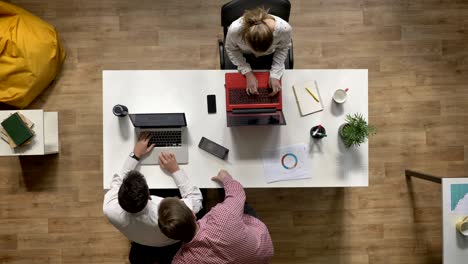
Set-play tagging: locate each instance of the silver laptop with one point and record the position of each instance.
(168, 133)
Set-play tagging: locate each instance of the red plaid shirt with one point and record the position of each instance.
(227, 235)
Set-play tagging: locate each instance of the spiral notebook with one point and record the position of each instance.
(305, 101)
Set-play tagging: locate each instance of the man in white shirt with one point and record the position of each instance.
(258, 40)
(131, 209)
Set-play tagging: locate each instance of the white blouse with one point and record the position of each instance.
(236, 46)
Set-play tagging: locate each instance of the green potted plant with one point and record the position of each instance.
(356, 130)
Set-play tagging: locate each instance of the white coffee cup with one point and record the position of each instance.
(340, 96)
(462, 226)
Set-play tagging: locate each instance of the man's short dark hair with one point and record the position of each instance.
(176, 220)
(134, 192)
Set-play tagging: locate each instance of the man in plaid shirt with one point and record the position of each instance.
(224, 235)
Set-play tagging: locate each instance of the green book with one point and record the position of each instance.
(17, 129)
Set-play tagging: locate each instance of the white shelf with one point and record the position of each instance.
(45, 140)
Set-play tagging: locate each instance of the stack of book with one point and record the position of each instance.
(16, 130)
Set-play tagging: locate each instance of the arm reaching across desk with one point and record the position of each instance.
(191, 195)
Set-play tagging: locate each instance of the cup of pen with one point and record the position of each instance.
(318, 132)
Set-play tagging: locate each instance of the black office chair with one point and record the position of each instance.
(235, 9)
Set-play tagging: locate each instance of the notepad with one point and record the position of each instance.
(305, 101)
(18, 131)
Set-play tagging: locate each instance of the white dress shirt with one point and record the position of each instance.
(236, 46)
(142, 227)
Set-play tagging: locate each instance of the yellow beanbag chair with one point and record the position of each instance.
(30, 55)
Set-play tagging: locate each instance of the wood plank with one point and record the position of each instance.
(9, 241)
(376, 48)
(76, 8)
(35, 256)
(182, 18)
(84, 225)
(346, 34)
(392, 79)
(191, 37)
(23, 226)
(352, 217)
(87, 39)
(416, 17)
(399, 246)
(454, 47)
(407, 258)
(430, 108)
(418, 93)
(86, 23)
(445, 77)
(70, 240)
(162, 56)
(392, 230)
(28, 209)
(327, 18)
(420, 63)
(433, 32)
(305, 6)
(337, 258)
(103, 255)
(328, 231)
(414, 5)
(446, 153)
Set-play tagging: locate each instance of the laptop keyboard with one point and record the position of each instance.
(166, 138)
(240, 96)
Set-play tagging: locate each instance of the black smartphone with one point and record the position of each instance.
(211, 100)
(213, 148)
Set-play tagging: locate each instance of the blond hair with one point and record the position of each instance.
(176, 220)
(255, 31)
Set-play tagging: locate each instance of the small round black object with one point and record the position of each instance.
(120, 110)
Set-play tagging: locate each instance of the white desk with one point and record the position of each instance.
(455, 245)
(45, 140)
(185, 91)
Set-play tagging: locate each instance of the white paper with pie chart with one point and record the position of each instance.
(286, 163)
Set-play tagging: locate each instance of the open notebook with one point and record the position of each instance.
(305, 101)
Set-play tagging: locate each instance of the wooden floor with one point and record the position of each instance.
(417, 55)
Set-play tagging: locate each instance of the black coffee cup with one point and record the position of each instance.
(120, 110)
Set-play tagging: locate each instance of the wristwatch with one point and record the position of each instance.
(134, 156)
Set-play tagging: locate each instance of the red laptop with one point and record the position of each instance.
(247, 110)
(237, 97)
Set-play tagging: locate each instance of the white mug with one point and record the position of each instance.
(462, 226)
(340, 96)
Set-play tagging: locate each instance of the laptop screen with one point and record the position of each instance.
(158, 120)
(264, 119)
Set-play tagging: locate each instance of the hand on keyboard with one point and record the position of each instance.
(142, 147)
(252, 83)
(275, 85)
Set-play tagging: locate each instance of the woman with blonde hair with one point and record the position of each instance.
(259, 40)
